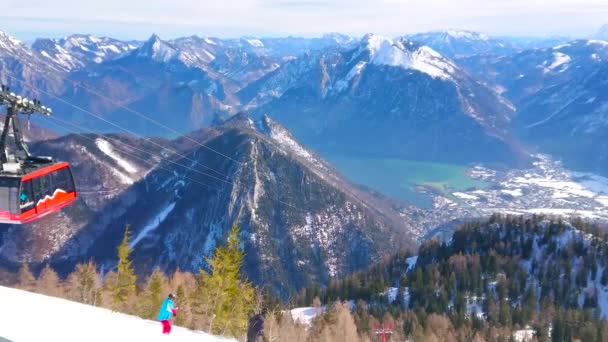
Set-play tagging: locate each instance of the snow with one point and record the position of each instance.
(464, 196)
(475, 308)
(597, 42)
(559, 59)
(383, 51)
(391, 294)
(562, 212)
(592, 182)
(106, 148)
(561, 186)
(152, 224)
(411, 262)
(110, 47)
(467, 35)
(209, 55)
(603, 200)
(34, 318)
(356, 70)
(561, 46)
(255, 42)
(514, 192)
(209, 41)
(305, 315)
(283, 137)
(524, 335)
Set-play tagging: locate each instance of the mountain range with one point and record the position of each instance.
(148, 109)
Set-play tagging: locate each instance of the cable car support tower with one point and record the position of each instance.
(16, 105)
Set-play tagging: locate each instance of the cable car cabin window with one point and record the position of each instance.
(27, 200)
(62, 179)
(9, 187)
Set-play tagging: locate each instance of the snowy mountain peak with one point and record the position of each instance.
(254, 42)
(5, 37)
(157, 49)
(406, 54)
(9, 43)
(374, 42)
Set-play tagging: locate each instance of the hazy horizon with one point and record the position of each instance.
(138, 19)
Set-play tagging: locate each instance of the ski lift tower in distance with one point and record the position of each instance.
(383, 329)
(30, 186)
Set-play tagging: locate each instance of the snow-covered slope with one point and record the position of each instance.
(408, 55)
(30, 317)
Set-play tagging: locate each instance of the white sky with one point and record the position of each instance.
(137, 19)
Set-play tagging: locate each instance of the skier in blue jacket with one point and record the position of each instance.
(167, 310)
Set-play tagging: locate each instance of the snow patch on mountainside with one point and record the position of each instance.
(355, 71)
(305, 315)
(34, 318)
(123, 178)
(597, 42)
(559, 59)
(106, 148)
(255, 42)
(464, 196)
(153, 224)
(524, 335)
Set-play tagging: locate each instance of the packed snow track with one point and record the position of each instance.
(30, 317)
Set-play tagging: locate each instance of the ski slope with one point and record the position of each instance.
(30, 317)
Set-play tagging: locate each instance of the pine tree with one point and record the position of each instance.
(26, 280)
(505, 313)
(125, 284)
(223, 296)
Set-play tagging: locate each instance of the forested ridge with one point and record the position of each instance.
(490, 279)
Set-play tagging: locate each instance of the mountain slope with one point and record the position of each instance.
(300, 220)
(387, 98)
(35, 317)
(559, 98)
(496, 276)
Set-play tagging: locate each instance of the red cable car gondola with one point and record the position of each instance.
(30, 187)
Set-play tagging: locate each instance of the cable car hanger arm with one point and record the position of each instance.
(17, 105)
